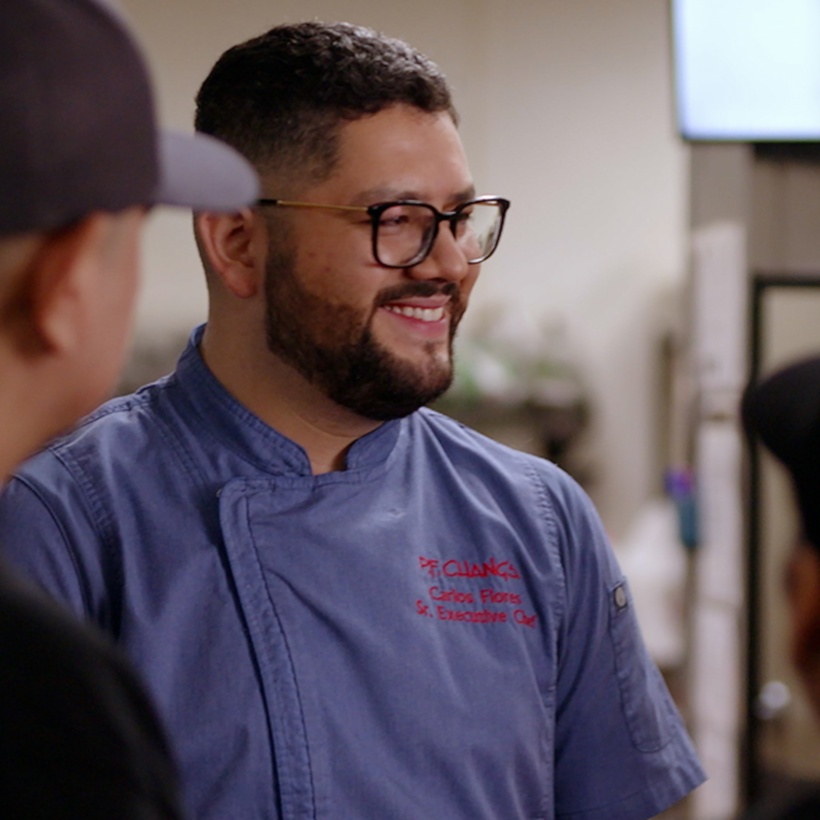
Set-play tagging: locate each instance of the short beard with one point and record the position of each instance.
(332, 345)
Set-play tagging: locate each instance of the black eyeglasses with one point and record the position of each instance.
(404, 232)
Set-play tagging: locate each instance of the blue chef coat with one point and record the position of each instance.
(439, 631)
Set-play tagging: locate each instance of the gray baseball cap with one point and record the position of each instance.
(78, 129)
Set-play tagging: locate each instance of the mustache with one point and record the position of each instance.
(420, 289)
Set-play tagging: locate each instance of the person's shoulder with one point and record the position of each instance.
(123, 410)
(458, 437)
(500, 465)
(114, 431)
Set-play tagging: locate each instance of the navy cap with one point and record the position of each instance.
(784, 410)
(78, 128)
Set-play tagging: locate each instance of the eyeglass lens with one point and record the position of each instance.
(405, 232)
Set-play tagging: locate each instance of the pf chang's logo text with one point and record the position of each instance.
(453, 568)
(456, 596)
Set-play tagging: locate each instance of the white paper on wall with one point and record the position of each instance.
(720, 565)
(718, 649)
(719, 282)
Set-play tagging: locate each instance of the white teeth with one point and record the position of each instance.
(422, 314)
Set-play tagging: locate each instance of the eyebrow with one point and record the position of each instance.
(385, 194)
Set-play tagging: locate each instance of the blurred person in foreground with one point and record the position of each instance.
(81, 162)
(345, 604)
(783, 410)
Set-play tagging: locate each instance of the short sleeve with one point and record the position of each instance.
(39, 533)
(621, 748)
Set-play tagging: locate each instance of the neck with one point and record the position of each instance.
(282, 398)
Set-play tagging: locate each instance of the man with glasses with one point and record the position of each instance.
(346, 604)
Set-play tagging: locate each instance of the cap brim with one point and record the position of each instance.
(200, 172)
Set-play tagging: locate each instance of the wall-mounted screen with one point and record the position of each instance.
(747, 70)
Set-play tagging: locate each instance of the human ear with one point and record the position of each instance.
(232, 247)
(18, 261)
(61, 283)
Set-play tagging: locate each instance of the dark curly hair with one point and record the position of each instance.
(280, 98)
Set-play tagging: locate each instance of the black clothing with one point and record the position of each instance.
(78, 737)
(799, 804)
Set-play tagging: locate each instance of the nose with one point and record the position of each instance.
(446, 260)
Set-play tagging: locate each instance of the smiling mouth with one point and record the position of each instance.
(421, 314)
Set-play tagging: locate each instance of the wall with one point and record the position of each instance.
(566, 108)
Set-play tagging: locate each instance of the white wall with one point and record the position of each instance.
(566, 109)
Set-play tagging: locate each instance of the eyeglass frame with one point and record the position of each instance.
(375, 211)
